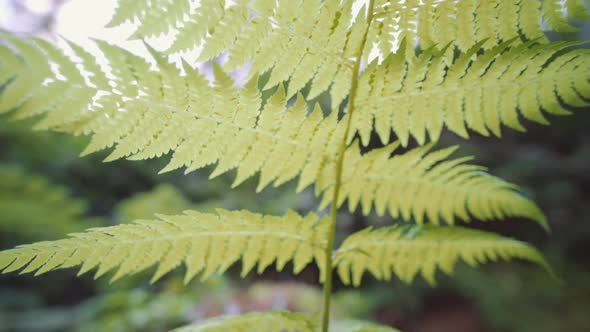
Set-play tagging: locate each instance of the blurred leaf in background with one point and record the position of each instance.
(33, 208)
(164, 199)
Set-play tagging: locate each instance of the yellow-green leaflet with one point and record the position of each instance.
(422, 185)
(418, 95)
(203, 243)
(467, 22)
(406, 251)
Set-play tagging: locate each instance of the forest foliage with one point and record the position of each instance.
(399, 72)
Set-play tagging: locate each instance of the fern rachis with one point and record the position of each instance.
(478, 65)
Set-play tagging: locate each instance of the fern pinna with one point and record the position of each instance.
(401, 70)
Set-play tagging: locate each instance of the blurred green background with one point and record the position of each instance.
(47, 191)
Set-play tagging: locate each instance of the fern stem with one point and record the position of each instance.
(338, 181)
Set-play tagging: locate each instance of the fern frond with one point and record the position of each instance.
(420, 184)
(34, 208)
(405, 251)
(147, 113)
(204, 243)
(255, 321)
(301, 41)
(36, 88)
(19, 78)
(481, 92)
(202, 20)
(464, 23)
(160, 18)
(151, 113)
(129, 11)
(554, 14)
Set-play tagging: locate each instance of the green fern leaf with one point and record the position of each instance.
(129, 11)
(205, 243)
(201, 21)
(39, 89)
(419, 185)
(419, 95)
(405, 251)
(151, 113)
(255, 321)
(553, 13)
(160, 18)
(8, 59)
(464, 23)
(301, 41)
(21, 78)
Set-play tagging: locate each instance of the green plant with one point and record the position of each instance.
(162, 199)
(477, 65)
(33, 208)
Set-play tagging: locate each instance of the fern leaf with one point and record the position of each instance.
(424, 185)
(129, 11)
(224, 33)
(200, 22)
(147, 113)
(298, 41)
(406, 251)
(160, 18)
(24, 75)
(255, 321)
(481, 92)
(152, 113)
(8, 60)
(465, 23)
(204, 243)
(553, 13)
(37, 88)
